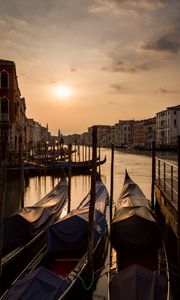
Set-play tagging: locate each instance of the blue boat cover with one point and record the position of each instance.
(70, 234)
(29, 221)
(40, 284)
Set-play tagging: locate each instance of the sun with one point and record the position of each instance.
(62, 91)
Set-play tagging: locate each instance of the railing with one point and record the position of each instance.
(167, 177)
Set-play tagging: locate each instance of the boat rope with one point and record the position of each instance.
(87, 288)
(95, 276)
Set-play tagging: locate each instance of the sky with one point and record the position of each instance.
(116, 59)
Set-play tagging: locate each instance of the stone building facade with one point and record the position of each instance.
(12, 107)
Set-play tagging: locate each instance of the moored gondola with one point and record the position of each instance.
(25, 232)
(64, 273)
(140, 269)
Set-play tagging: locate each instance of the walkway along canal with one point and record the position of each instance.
(166, 185)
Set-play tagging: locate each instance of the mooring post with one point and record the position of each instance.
(21, 166)
(3, 181)
(153, 173)
(112, 183)
(99, 165)
(69, 176)
(178, 221)
(111, 197)
(89, 152)
(92, 200)
(75, 150)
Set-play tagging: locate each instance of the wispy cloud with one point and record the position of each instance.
(163, 90)
(131, 64)
(121, 88)
(169, 42)
(117, 6)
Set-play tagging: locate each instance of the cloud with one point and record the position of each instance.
(129, 65)
(169, 42)
(73, 70)
(118, 88)
(163, 90)
(118, 6)
(24, 9)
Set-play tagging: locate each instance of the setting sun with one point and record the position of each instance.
(62, 91)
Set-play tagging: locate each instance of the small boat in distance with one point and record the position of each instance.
(140, 269)
(63, 272)
(25, 232)
(54, 167)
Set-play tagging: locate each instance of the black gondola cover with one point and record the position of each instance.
(137, 280)
(134, 225)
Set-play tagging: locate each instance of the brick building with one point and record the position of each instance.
(12, 107)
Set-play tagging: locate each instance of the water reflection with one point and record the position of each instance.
(138, 166)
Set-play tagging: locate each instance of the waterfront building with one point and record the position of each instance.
(35, 132)
(123, 133)
(73, 138)
(144, 133)
(168, 125)
(103, 135)
(12, 107)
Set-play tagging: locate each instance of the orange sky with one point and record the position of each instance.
(120, 58)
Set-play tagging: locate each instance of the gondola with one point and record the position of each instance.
(25, 232)
(64, 273)
(54, 167)
(77, 167)
(139, 266)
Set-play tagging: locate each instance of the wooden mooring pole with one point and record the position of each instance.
(111, 198)
(178, 223)
(3, 182)
(153, 173)
(92, 201)
(69, 177)
(112, 183)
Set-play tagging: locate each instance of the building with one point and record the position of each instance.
(168, 125)
(103, 135)
(123, 133)
(144, 133)
(12, 107)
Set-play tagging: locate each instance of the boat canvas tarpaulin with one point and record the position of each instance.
(71, 233)
(137, 282)
(134, 224)
(29, 221)
(40, 284)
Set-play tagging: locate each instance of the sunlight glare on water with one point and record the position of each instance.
(138, 167)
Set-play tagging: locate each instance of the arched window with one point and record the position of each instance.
(4, 79)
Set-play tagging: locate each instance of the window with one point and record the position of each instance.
(4, 79)
(4, 106)
(174, 123)
(4, 109)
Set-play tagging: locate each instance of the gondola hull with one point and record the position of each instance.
(141, 269)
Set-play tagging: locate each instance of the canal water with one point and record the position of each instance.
(137, 165)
